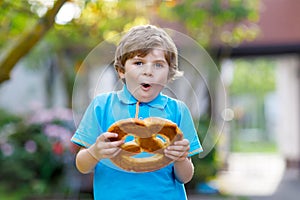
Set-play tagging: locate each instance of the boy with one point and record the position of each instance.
(146, 60)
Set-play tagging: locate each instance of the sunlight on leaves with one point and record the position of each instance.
(253, 76)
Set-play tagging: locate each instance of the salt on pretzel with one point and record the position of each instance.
(151, 135)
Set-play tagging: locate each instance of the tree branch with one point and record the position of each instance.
(27, 41)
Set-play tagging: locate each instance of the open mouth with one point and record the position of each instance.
(146, 85)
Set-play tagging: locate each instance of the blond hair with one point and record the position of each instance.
(140, 40)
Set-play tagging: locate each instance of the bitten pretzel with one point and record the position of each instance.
(151, 135)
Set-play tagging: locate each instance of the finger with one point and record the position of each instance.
(176, 155)
(114, 144)
(105, 136)
(178, 148)
(183, 142)
(171, 157)
(109, 145)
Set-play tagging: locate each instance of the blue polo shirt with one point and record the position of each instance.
(111, 182)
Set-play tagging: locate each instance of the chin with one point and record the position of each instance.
(146, 98)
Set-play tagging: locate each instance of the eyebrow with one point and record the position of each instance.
(161, 61)
(137, 58)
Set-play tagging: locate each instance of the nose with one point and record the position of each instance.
(147, 70)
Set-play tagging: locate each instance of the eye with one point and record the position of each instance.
(158, 65)
(138, 63)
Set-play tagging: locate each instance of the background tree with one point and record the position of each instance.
(215, 22)
(24, 43)
(66, 43)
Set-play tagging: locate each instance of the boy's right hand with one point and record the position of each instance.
(104, 148)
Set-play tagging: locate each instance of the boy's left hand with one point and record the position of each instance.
(178, 151)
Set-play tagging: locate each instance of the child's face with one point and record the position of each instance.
(146, 76)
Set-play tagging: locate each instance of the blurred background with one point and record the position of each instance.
(255, 46)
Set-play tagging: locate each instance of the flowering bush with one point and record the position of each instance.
(35, 149)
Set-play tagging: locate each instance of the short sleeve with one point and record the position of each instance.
(89, 128)
(187, 126)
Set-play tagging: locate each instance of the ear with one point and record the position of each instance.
(121, 73)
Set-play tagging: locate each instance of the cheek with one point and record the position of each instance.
(131, 75)
(131, 80)
(164, 80)
(164, 77)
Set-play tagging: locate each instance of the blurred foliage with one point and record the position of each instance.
(254, 147)
(255, 77)
(205, 168)
(86, 23)
(252, 88)
(34, 152)
(208, 21)
(15, 18)
(7, 118)
(92, 22)
(216, 22)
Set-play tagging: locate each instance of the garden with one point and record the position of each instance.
(50, 40)
(36, 156)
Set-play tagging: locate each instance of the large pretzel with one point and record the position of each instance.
(151, 135)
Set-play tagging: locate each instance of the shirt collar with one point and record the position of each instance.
(126, 97)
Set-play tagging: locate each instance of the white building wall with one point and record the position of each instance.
(288, 90)
(26, 90)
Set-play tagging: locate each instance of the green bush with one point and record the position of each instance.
(34, 150)
(205, 168)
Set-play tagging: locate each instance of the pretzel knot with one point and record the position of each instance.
(151, 135)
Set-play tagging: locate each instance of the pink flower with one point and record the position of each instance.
(59, 133)
(48, 115)
(7, 149)
(30, 146)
